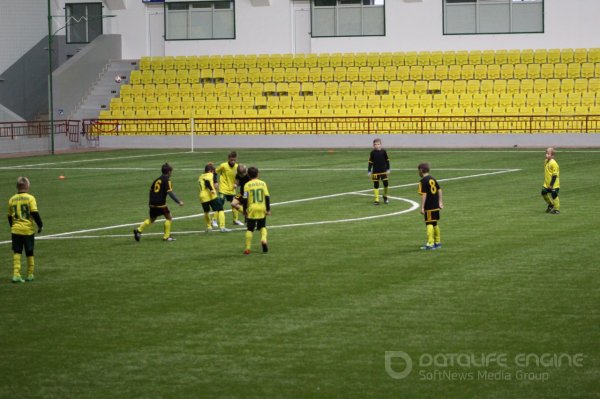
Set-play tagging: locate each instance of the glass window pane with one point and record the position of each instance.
(528, 17)
(460, 18)
(177, 6)
(373, 21)
(177, 25)
(494, 18)
(349, 21)
(201, 25)
(223, 5)
(325, 3)
(323, 23)
(223, 25)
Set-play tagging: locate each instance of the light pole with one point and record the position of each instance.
(50, 90)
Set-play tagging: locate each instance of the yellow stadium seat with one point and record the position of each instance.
(505, 100)
(513, 86)
(473, 86)
(352, 73)
(547, 71)
(567, 85)
(278, 74)
(335, 60)
(507, 71)
(560, 71)
(302, 74)
(526, 86)
(527, 56)
(540, 56)
(574, 99)
(532, 100)
(553, 85)
(587, 70)
(348, 59)
(410, 58)
(580, 55)
(416, 72)
(344, 88)
(501, 57)
(594, 55)
(364, 73)
(377, 73)
(214, 61)
(546, 100)
(360, 59)
(574, 70)
(465, 100)
(436, 58)
(560, 99)
(382, 87)
(428, 72)
(581, 85)
(395, 87)
(408, 87)
(447, 86)
(481, 72)
(519, 99)
(314, 74)
(370, 87)
(434, 86)
(488, 57)
(452, 100)
(373, 59)
(467, 72)
(266, 74)
(460, 86)
(588, 99)
(520, 71)
(553, 56)
(420, 87)
(487, 86)
(539, 85)
(357, 88)
(331, 88)
(449, 58)
(339, 73)
(454, 72)
(323, 60)
(475, 57)
(441, 72)
(479, 100)
(400, 101)
(412, 100)
(514, 56)
(299, 60)
(135, 76)
(533, 71)
(387, 101)
(462, 57)
(594, 85)
(403, 72)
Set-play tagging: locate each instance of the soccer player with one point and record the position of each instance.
(22, 212)
(431, 204)
(159, 189)
(240, 181)
(551, 182)
(379, 169)
(257, 204)
(227, 174)
(209, 198)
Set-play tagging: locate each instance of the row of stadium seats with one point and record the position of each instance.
(522, 112)
(339, 74)
(473, 57)
(370, 87)
(464, 100)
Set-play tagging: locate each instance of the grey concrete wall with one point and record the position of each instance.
(357, 141)
(22, 145)
(75, 78)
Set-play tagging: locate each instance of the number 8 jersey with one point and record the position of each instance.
(428, 185)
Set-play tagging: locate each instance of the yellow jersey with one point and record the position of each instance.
(551, 169)
(205, 185)
(227, 178)
(256, 195)
(20, 207)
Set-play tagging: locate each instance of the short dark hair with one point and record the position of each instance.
(377, 141)
(22, 183)
(232, 154)
(253, 172)
(166, 169)
(424, 167)
(209, 167)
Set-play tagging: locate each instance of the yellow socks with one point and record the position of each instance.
(263, 235)
(248, 239)
(436, 234)
(557, 204)
(376, 193)
(16, 265)
(167, 229)
(235, 213)
(207, 220)
(30, 265)
(145, 224)
(221, 219)
(548, 199)
(430, 234)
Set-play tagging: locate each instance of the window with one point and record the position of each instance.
(200, 20)
(83, 22)
(347, 18)
(493, 16)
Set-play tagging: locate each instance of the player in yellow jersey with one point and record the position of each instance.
(209, 198)
(226, 173)
(257, 205)
(22, 212)
(551, 182)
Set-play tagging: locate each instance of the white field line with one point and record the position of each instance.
(69, 233)
(97, 159)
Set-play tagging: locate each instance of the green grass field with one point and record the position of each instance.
(344, 282)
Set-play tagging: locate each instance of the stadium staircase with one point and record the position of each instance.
(105, 88)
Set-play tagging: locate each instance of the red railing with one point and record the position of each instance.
(14, 130)
(346, 125)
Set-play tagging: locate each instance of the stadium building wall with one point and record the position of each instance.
(410, 26)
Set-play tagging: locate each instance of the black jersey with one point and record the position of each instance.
(428, 185)
(379, 161)
(241, 182)
(159, 190)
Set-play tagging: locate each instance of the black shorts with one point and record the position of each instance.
(552, 192)
(228, 197)
(216, 205)
(20, 241)
(256, 224)
(432, 216)
(379, 176)
(156, 212)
